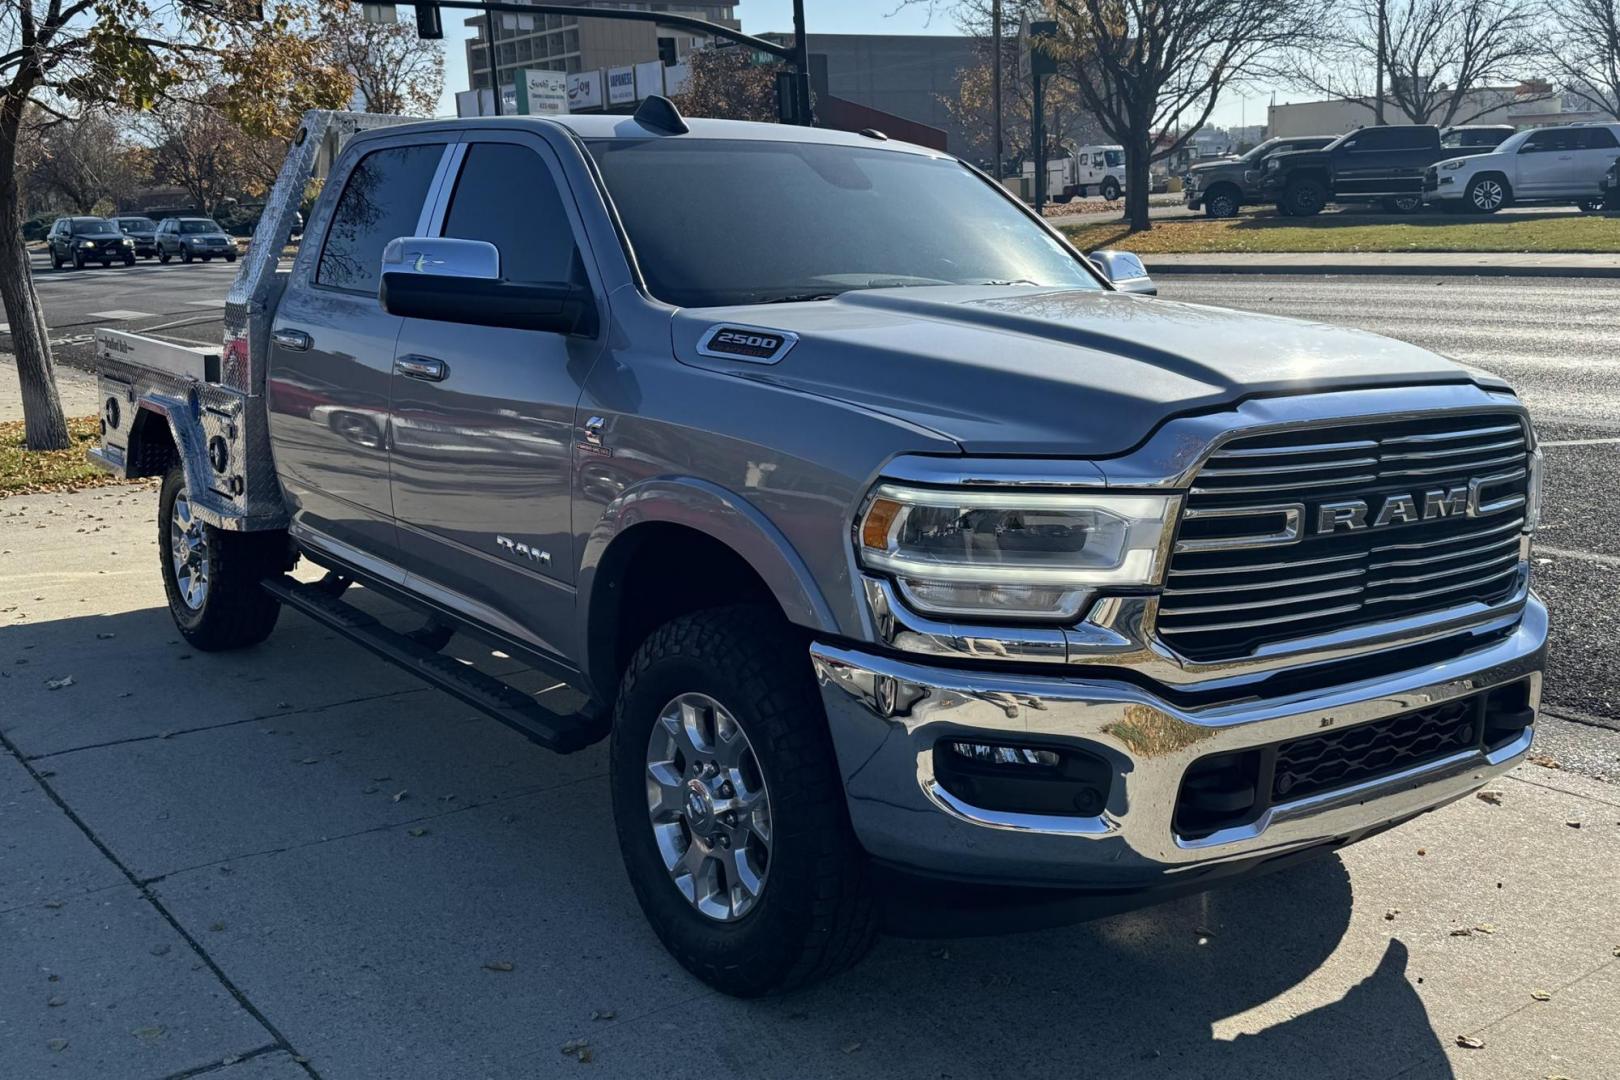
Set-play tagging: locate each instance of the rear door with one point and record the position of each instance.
(1546, 164)
(1597, 148)
(484, 417)
(332, 353)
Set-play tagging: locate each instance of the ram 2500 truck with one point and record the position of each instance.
(886, 538)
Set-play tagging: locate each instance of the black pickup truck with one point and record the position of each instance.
(1377, 164)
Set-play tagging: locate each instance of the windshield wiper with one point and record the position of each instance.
(797, 298)
(1004, 281)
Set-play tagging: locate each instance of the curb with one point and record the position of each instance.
(1389, 270)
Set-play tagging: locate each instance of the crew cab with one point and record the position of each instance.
(1545, 165)
(885, 539)
(1222, 188)
(1376, 164)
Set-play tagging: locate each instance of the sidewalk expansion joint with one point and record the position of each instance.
(225, 1063)
(157, 906)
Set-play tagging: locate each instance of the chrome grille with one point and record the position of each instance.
(1250, 567)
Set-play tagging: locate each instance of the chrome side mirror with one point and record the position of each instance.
(1125, 270)
(442, 257)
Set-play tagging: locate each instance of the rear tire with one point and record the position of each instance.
(211, 576)
(1591, 206)
(1403, 204)
(809, 912)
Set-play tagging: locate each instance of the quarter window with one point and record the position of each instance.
(531, 230)
(1598, 138)
(381, 201)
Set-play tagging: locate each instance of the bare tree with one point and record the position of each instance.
(394, 71)
(1152, 71)
(1441, 58)
(1586, 50)
(64, 56)
(725, 83)
(197, 147)
(82, 163)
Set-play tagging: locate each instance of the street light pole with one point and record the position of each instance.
(801, 61)
(494, 79)
(995, 83)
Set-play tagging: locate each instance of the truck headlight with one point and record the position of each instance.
(1454, 165)
(1011, 554)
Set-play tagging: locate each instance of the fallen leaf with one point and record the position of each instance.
(55, 1001)
(216, 927)
(418, 832)
(1470, 1042)
(1391, 913)
(57, 1045)
(1423, 851)
(159, 950)
(1462, 931)
(1572, 823)
(398, 795)
(602, 1014)
(852, 1047)
(59, 684)
(1545, 762)
(309, 761)
(1486, 928)
(148, 1032)
(53, 904)
(1540, 995)
(498, 965)
(1492, 797)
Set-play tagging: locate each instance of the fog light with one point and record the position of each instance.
(1005, 755)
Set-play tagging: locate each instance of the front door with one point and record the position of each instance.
(332, 355)
(483, 417)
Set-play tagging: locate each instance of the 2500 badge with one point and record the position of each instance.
(752, 343)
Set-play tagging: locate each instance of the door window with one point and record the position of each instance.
(381, 201)
(506, 197)
(1551, 141)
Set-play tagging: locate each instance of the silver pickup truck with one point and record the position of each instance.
(887, 538)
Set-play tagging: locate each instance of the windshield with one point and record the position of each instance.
(92, 225)
(195, 225)
(136, 224)
(1262, 150)
(717, 222)
(1115, 158)
(1511, 144)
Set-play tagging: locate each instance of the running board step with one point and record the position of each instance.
(487, 694)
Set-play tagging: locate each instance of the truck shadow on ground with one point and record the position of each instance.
(359, 926)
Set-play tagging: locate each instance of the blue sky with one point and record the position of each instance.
(825, 17)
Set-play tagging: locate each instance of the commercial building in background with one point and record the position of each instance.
(1531, 104)
(564, 43)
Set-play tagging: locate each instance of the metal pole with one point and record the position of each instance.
(494, 79)
(995, 83)
(801, 61)
(1383, 59)
(1039, 133)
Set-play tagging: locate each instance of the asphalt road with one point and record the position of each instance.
(296, 863)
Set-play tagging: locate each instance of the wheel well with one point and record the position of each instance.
(1226, 187)
(151, 450)
(654, 573)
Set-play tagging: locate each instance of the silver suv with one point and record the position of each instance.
(193, 238)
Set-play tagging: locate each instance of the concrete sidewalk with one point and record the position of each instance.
(296, 862)
(1491, 264)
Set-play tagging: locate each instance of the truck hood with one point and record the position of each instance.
(1033, 371)
(1218, 163)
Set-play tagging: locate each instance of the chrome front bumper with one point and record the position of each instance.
(887, 714)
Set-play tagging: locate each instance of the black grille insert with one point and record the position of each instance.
(1451, 490)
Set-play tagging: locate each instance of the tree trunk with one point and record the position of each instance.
(1137, 183)
(43, 422)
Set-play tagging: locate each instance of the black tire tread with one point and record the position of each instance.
(760, 652)
(237, 612)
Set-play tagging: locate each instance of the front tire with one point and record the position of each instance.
(1486, 195)
(163, 257)
(1221, 203)
(1110, 189)
(211, 576)
(730, 807)
(185, 255)
(1305, 198)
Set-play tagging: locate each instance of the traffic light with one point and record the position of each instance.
(428, 25)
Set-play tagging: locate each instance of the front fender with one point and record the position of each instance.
(722, 515)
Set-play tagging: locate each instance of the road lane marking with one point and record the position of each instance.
(1567, 553)
(119, 314)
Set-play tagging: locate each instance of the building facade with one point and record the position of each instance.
(1526, 106)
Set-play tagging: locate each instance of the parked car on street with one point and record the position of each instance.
(1376, 164)
(194, 238)
(1545, 165)
(886, 538)
(142, 230)
(1223, 187)
(75, 241)
(1475, 138)
(1609, 187)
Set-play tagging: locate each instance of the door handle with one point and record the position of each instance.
(426, 368)
(296, 340)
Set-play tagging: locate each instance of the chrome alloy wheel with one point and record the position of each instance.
(188, 548)
(1488, 194)
(709, 807)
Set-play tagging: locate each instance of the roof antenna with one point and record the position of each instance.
(874, 133)
(660, 114)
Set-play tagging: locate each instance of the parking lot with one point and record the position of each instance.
(296, 862)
